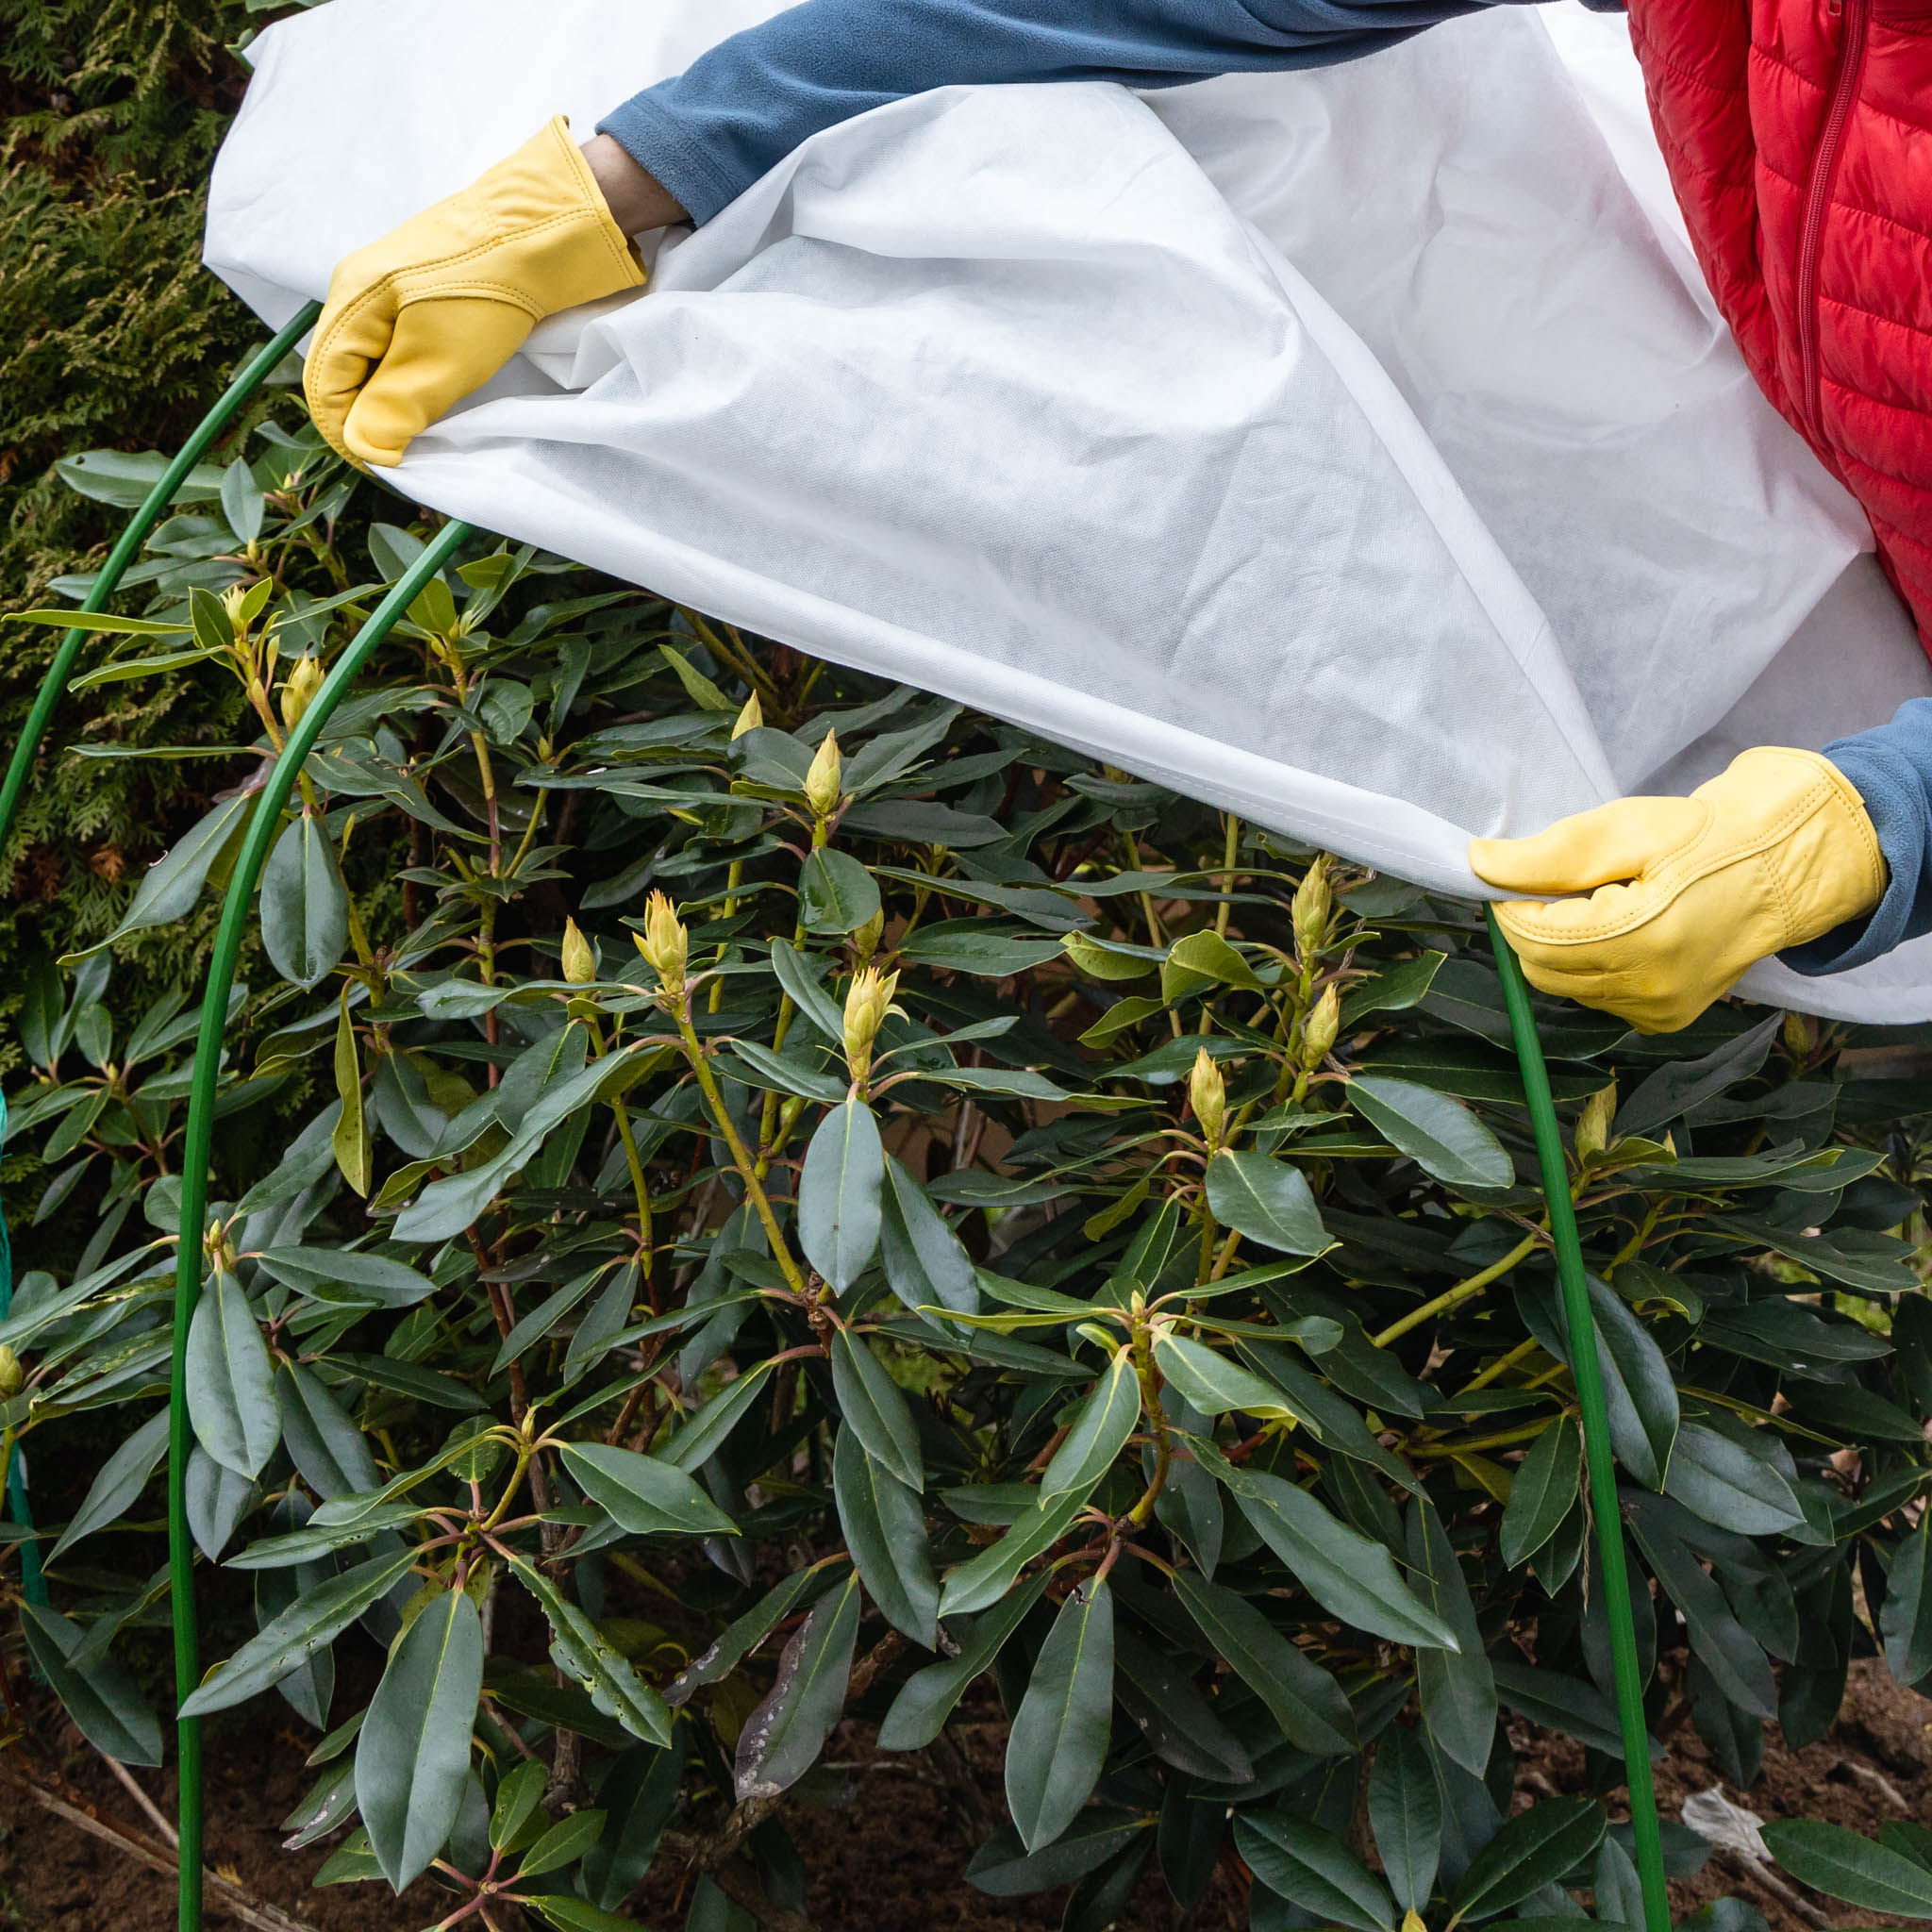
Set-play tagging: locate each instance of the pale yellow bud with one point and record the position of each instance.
(865, 1011)
(750, 718)
(1594, 1122)
(234, 602)
(663, 943)
(579, 956)
(822, 781)
(1800, 1036)
(1412, 1922)
(1313, 902)
(865, 941)
(1322, 1024)
(1208, 1095)
(303, 682)
(12, 1374)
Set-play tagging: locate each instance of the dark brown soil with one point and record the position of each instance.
(889, 1859)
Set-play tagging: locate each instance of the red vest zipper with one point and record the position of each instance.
(1823, 178)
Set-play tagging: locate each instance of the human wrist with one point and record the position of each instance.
(637, 200)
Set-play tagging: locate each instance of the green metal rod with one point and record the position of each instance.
(1581, 1323)
(189, 1262)
(249, 378)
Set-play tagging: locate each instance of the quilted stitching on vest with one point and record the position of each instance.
(1742, 94)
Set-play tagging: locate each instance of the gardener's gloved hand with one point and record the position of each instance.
(1772, 852)
(416, 321)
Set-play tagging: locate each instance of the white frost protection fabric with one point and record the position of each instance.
(1352, 450)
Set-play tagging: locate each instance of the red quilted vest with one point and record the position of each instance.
(1799, 139)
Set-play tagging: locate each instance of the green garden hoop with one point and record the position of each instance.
(236, 911)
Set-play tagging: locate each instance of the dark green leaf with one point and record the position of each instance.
(646, 1494)
(579, 1651)
(314, 1619)
(304, 903)
(1406, 1815)
(1533, 1849)
(1303, 1698)
(885, 1532)
(1301, 1862)
(835, 893)
(1440, 1135)
(926, 1262)
(231, 1383)
(1342, 1570)
(839, 1194)
(1842, 1864)
(1060, 1735)
(782, 1738)
(1457, 1688)
(921, 1709)
(120, 1479)
(1266, 1200)
(1098, 1433)
(1542, 1493)
(98, 1695)
(871, 1404)
(412, 1755)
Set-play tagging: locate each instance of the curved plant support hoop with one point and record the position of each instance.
(237, 906)
(1596, 1431)
(249, 378)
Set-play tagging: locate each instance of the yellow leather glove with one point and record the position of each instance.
(1775, 851)
(416, 321)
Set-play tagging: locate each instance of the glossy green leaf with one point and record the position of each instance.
(304, 903)
(578, 1649)
(646, 1494)
(1098, 1434)
(782, 1738)
(1207, 1380)
(1302, 1697)
(564, 1843)
(170, 886)
(1154, 1686)
(412, 1755)
(1266, 1200)
(1722, 1481)
(987, 1578)
(231, 1382)
(839, 1194)
(835, 893)
(927, 1697)
(518, 1799)
(1060, 1735)
(1406, 1816)
(885, 1531)
(1342, 1570)
(1440, 1134)
(1313, 1869)
(875, 1410)
(1543, 1492)
(316, 1618)
(705, 1434)
(119, 1482)
(1842, 1865)
(348, 1278)
(1457, 1688)
(926, 1262)
(100, 1696)
(1906, 1621)
(1533, 1849)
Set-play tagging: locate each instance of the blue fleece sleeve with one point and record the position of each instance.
(710, 132)
(1891, 768)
